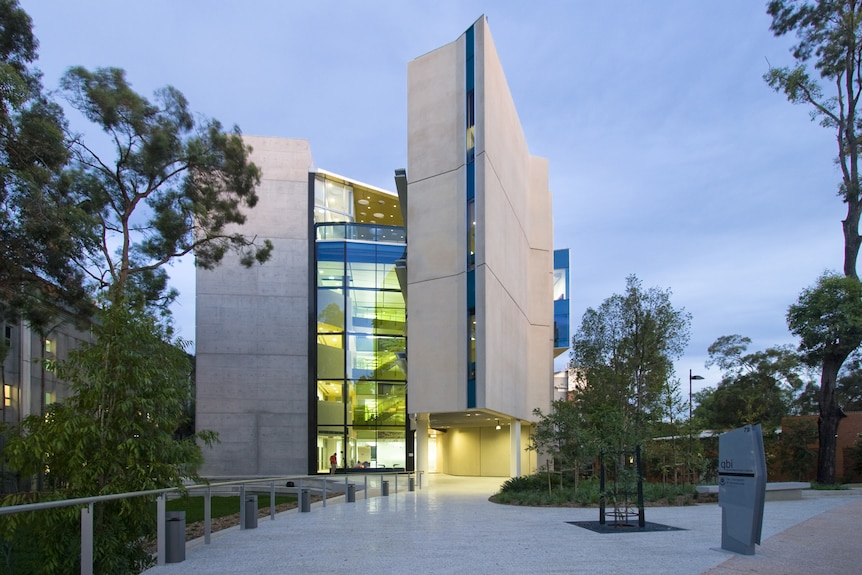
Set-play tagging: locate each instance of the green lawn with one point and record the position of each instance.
(221, 505)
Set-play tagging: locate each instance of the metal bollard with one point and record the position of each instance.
(249, 521)
(175, 537)
(351, 493)
(411, 483)
(384, 488)
(304, 501)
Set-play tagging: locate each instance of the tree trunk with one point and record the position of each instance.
(851, 237)
(827, 423)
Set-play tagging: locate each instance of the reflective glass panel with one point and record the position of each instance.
(330, 356)
(330, 403)
(330, 310)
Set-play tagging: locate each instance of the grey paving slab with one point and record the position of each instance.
(449, 526)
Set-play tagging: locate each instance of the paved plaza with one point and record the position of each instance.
(449, 526)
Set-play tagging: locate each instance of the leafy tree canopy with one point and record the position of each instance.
(175, 184)
(623, 356)
(40, 226)
(827, 318)
(756, 387)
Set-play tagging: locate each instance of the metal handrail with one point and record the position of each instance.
(88, 502)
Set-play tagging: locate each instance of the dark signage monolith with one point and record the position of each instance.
(741, 488)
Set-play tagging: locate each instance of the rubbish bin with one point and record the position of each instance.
(411, 483)
(250, 511)
(175, 537)
(351, 493)
(304, 501)
(384, 488)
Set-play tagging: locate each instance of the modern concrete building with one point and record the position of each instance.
(312, 354)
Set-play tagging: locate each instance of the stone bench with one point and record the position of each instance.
(778, 491)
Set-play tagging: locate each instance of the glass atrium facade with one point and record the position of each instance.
(360, 371)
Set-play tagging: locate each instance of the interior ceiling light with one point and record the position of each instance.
(378, 215)
(381, 202)
(363, 202)
(498, 425)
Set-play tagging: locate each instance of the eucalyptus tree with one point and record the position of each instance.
(171, 184)
(826, 78)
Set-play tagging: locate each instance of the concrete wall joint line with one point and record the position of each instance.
(436, 278)
(521, 227)
(431, 177)
(505, 289)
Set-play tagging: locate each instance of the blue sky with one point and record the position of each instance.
(670, 158)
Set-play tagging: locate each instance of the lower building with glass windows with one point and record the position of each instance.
(386, 333)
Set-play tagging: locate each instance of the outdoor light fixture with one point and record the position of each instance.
(690, 379)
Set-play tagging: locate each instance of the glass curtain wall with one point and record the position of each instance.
(361, 353)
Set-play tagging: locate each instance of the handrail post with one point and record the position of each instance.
(272, 500)
(242, 506)
(208, 515)
(325, 484)
(161, 550)
(87, 540)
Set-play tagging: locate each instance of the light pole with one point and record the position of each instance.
(690, 379)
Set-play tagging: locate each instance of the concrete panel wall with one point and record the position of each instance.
(435, 112)
(437, 345)
(516, 254)
(437, 231)
(252, 346)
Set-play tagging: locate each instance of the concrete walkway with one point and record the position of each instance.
(449, 526)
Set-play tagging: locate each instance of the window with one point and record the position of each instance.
(7, 395)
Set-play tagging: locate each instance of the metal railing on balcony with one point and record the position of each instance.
(361, 232)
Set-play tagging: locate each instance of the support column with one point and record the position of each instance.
(421, 453)
(515, 448)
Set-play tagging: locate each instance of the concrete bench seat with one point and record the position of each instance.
(778, 491)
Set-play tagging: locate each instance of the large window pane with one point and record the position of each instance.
(330, 310)
(330, 356)
(362, 310)
(373, 357)
(361, 265)
(391, 314)
(330, 403)
(391, 403)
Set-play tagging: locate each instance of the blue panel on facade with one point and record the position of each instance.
(561, 258)
(330, 252)
(561, 323)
